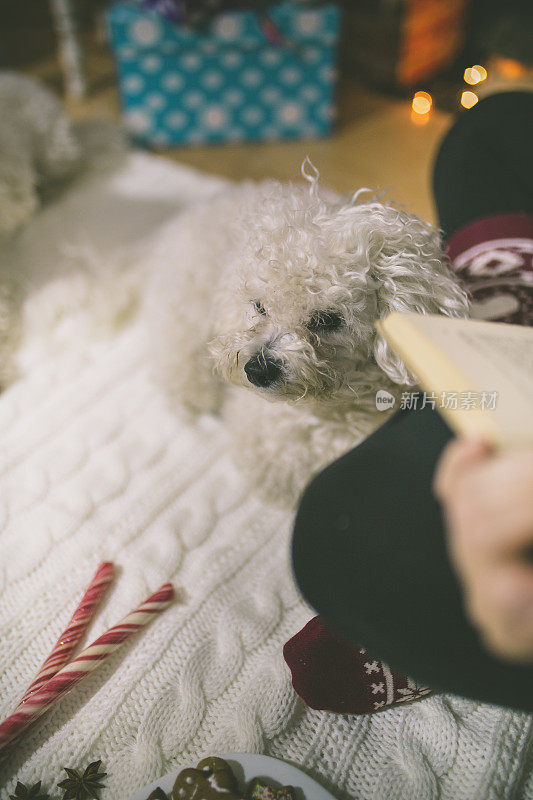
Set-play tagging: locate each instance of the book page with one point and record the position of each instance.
(491, 360)
(485, 351)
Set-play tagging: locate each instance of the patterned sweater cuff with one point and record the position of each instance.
(493, 258)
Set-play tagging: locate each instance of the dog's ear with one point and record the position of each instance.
(408, 272)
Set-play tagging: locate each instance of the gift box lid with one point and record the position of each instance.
(145, 29)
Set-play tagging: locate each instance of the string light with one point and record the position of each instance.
(510, 68)
(475, 74)
(469, 99)
(422, 102)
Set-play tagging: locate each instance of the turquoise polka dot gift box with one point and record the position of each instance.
(232, 83)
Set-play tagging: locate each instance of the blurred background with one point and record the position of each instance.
(248, 89)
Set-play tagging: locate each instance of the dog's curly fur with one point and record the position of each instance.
(290, 279)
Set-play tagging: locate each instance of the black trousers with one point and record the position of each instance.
(369, 543)
(485, 163)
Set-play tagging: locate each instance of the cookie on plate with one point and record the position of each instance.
(211, 779)
(259, 790)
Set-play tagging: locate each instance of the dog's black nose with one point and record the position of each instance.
(262, 370)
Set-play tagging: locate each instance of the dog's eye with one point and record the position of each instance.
(325, 321)
(259, 307)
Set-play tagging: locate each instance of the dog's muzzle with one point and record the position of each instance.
(262, 370)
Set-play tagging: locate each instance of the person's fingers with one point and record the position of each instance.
(458, 456)
(501, 606)
(494, 504)
(488, 504)
(509, 528)
(504, 591)
(516, 646)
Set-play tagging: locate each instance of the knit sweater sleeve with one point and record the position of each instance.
(493, 257)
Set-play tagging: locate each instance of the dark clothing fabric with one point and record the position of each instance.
(369, 553)
(369, 544)
(484, 165)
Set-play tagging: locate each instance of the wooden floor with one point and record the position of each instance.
(377, 143)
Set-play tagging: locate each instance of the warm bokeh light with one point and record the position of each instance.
(419, 119)
(509, 68)
(469, 99)
(475, 74)
(421, 103)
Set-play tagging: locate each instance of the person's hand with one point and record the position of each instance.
(487, 499)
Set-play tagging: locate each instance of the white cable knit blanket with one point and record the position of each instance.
(94, 467)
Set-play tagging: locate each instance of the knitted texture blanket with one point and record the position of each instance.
(93, 467)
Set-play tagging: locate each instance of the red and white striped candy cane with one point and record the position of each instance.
(87, 661)
(66, 643)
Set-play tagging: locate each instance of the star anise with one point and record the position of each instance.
(33, 793)
(83, 787)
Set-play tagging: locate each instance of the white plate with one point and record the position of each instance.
(246, 766)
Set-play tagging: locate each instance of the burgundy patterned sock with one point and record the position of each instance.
(332, 675)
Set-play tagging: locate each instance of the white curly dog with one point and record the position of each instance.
(37, 147)
(38, 150)
(260, 303)
(262, 307)
(42, 156)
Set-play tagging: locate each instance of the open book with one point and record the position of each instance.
(478, 375)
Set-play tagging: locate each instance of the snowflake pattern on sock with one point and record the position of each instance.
(332, 675)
